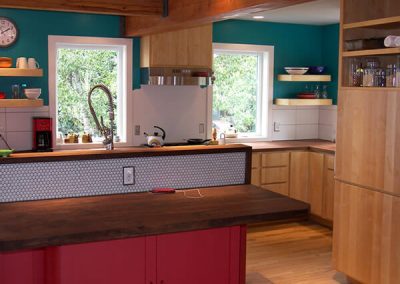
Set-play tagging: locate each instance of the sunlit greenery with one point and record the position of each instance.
(235, 91)
(77, 71)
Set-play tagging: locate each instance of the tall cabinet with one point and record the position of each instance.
(367, 195)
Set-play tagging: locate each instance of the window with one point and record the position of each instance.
(242, 91)
(76, 64)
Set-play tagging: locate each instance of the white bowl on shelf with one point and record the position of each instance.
(32, 93)
(296, 70)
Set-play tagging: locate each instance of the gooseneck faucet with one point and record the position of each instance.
(107, 132)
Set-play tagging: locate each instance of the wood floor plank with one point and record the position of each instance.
(291, 253)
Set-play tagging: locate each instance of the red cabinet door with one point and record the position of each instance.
(22, 267)
(208, 256)
(116, 261)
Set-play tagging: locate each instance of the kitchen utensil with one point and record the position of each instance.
(316, 69)
(155, 139)
(5, 142)
(5, 62)
(22, 63)
(15, 89)
(296, 70)
(5, 153)
(197, 141)
(33, 64)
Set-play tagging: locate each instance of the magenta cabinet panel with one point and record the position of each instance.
(22, 267)
(211, 256)
(116, 261)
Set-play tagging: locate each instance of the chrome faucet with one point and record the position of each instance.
(107, 132)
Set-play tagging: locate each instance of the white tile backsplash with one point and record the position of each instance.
(286, 132)
(306, 131)
(304, 122)
(284, 116)
(16, 126)
(20, 141)
(307, 116)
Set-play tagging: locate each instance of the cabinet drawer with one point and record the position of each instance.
(330, 162)
(274, 175)
(255, 160)
(255, 177)
(277, 159)
(281, 188)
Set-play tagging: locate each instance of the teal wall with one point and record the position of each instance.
(35, 26)
(295, 45)
(330, 56)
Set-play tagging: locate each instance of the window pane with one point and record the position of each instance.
(235, 92)
(78, 70)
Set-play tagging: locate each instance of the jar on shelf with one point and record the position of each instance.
(380, 77)
(317, 92)
(391, 72)
(356, 73)
(369, 76)
(324, 93)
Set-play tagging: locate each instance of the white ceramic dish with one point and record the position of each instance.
(296, 70)
(33, 93)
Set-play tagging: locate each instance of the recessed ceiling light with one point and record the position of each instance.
(258, 17)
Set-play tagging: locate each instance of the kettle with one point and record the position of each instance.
(155, 140)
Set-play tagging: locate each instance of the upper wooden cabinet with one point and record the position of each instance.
(183, 48)
(368, 139)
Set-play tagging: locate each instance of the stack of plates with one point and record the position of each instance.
(296, 70)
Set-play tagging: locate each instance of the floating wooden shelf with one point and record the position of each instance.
(20, 103)
(383, 23)
(304, 78)
(17, 72)
(369, 52)
(303, 102)
(380, 89)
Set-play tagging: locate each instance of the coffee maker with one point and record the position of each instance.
(42, 134)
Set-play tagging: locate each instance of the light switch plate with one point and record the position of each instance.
(137, 130)
(129, 176)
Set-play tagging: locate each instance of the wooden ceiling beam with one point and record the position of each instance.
(112, 7)
(189, 13)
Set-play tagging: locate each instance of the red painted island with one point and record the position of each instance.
(136, 238)
(194, 236)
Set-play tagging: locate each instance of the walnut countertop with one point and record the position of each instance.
(34, 224)
(313, 145)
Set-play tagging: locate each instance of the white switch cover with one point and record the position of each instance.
(129, 175)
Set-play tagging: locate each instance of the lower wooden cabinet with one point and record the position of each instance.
(299, 175)
(23, 267)
(366, 234)
(214, 256)
(303, 175)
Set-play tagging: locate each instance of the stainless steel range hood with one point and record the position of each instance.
(171, 76)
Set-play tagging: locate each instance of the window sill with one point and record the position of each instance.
(246, 140)
(94, 145)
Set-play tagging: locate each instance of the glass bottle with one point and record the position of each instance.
(324, 93)
(317, 92)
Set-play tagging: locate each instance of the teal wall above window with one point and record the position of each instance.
(34, 28)
(295, 45)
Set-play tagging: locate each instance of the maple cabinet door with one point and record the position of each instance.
(22, 267)
(208, 256)
(116, 261)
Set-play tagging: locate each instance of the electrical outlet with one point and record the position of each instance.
(129, 175)
(201, 128)
(277, 127)
(137, 129)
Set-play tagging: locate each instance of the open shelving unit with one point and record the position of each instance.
(303, 102)
(10, 103)
(304, 78)
(17, 72)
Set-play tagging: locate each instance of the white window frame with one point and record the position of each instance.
(125, 84)
(266, 78)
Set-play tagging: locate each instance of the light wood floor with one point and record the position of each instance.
(293, 253)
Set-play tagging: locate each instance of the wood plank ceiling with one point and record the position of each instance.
(146, 16)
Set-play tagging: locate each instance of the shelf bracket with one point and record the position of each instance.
(165, 9)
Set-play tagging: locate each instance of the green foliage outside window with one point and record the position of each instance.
(235, 91)
(77, 71)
